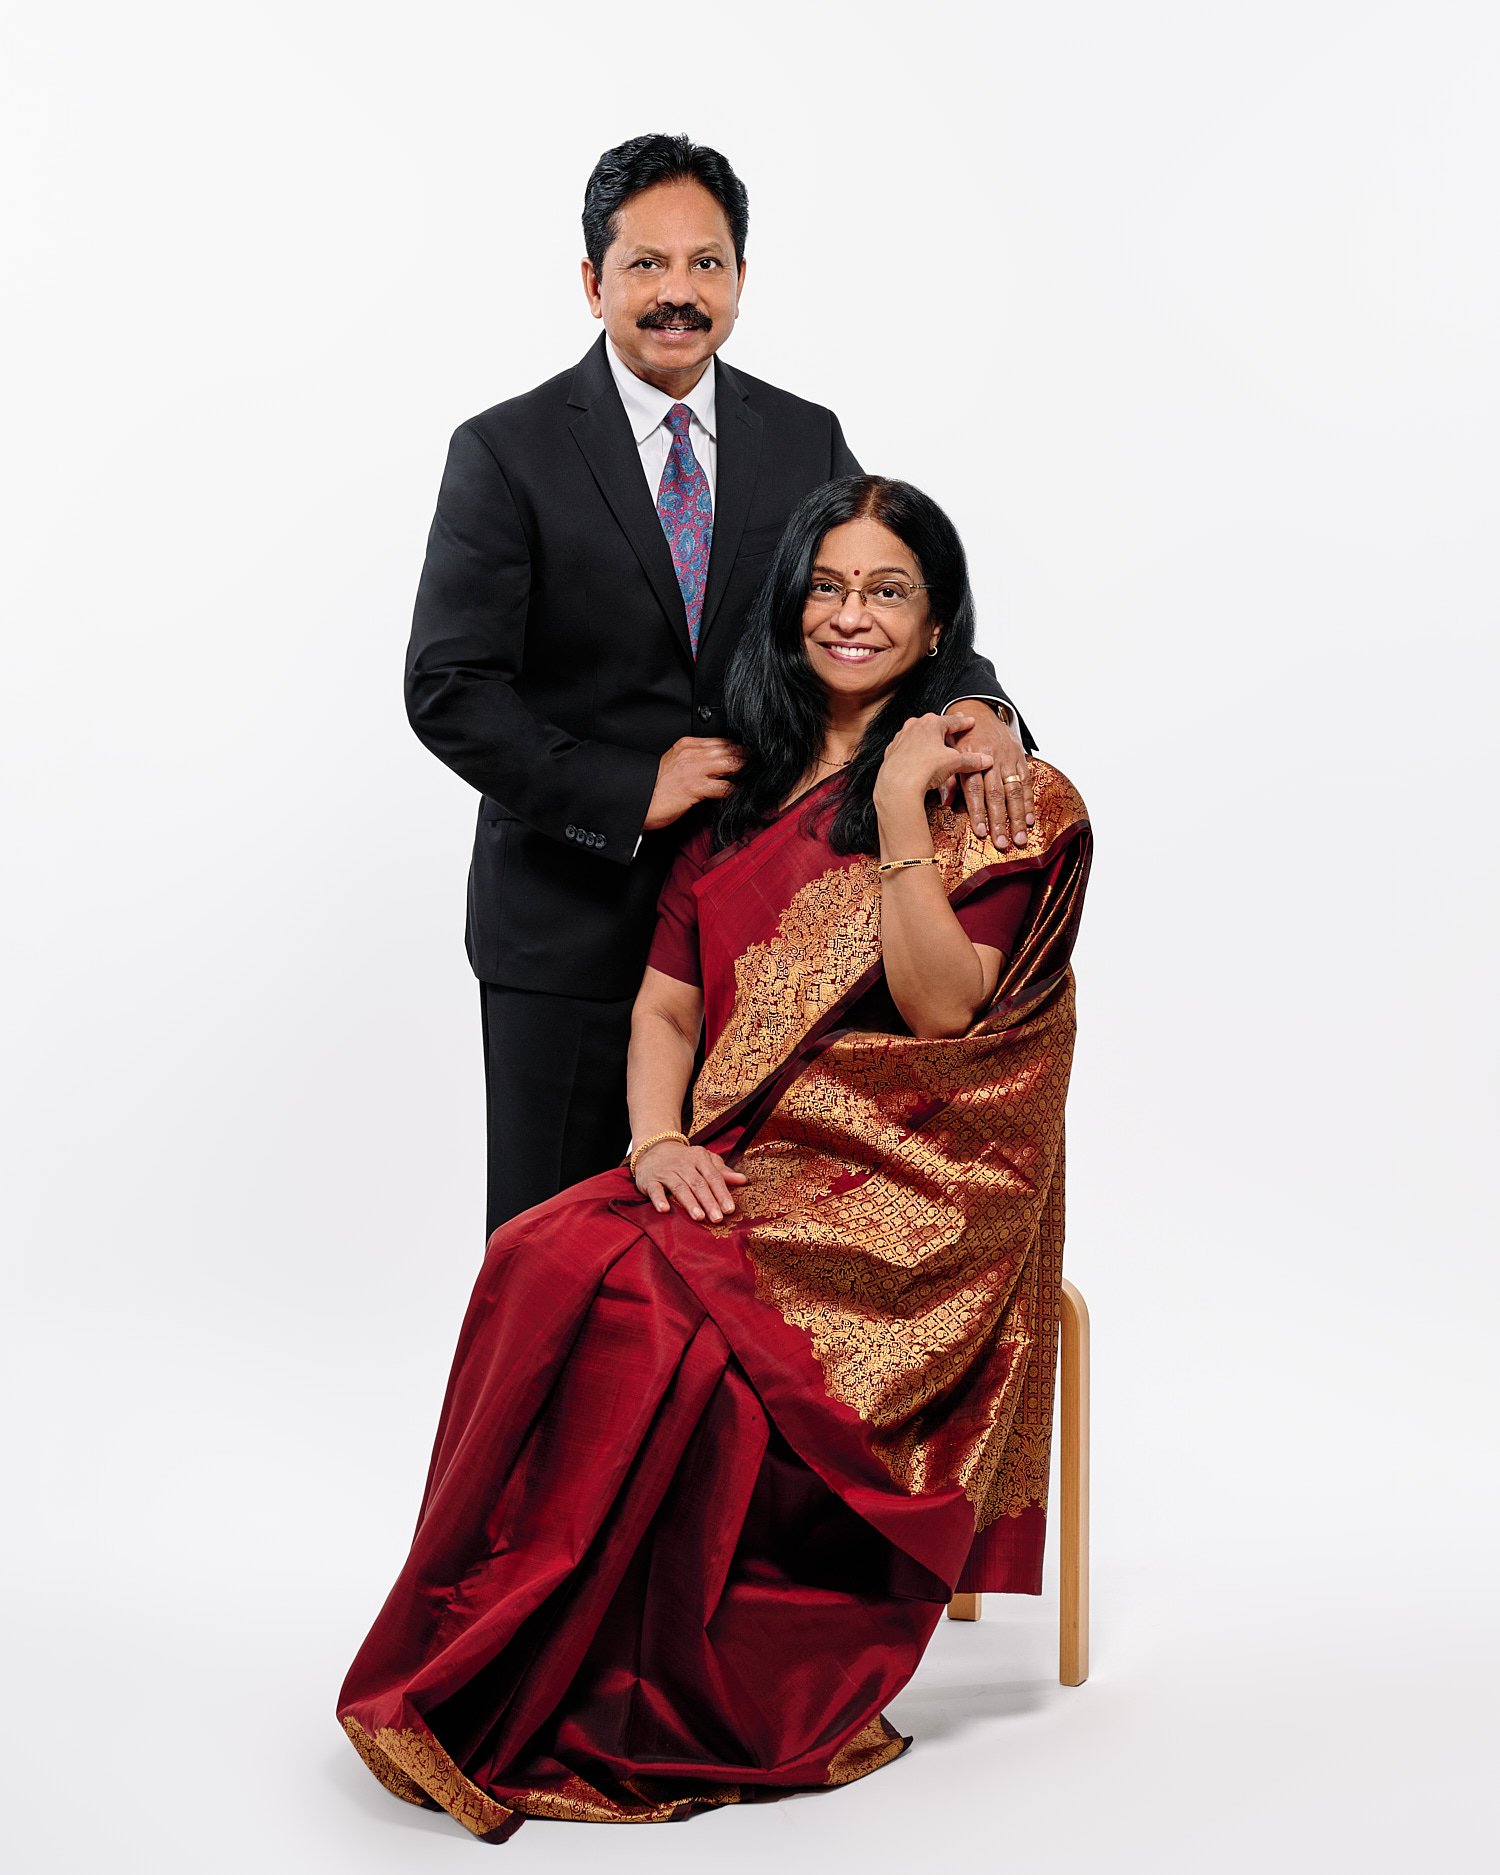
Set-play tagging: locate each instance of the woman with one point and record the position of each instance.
(726, 1427)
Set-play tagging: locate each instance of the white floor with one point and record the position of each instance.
(218, 1439)
(1229, 1724)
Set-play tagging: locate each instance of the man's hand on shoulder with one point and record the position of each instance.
(695, 768)
(999, 800)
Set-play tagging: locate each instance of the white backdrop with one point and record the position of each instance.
(1188, 313)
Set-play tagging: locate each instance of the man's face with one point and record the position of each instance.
(669, 289)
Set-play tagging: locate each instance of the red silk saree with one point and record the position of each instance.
(700, 1492)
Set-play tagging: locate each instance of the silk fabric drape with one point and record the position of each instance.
(699, 1493)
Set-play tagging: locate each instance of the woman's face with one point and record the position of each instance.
(866, 619)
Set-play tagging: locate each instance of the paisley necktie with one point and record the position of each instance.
(686, 510)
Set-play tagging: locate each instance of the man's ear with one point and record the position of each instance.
(591, 287)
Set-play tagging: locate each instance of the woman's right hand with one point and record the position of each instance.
(698, 1179)
(921, 757)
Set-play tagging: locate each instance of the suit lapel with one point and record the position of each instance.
(739, 441)
(602, 432)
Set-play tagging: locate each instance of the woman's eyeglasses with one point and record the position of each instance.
(887, 595)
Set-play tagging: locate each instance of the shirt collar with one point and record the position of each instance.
(646, 407)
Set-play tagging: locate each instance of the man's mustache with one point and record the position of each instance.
(688, 316)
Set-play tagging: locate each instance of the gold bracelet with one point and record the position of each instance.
(900, 865)
(656, 1139)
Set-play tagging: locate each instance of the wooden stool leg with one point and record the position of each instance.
(1073, 1650)
(964, 1608)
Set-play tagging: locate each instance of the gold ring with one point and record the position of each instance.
(1010, 778)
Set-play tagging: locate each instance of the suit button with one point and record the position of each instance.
(572, 833)
(705, 713)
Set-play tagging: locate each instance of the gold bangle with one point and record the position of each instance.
(656, 1139)
(900, 865)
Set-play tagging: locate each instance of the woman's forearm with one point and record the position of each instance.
(658, 1072)
(936, 977)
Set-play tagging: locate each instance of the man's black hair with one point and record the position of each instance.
(642, 162)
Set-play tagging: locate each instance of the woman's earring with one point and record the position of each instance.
(932, 649)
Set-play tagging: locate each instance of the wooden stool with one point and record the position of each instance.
(1073, 1418)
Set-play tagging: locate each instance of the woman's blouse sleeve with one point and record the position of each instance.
(674, 948)
(993, 913)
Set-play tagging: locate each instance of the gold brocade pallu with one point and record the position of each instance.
(700, 1492)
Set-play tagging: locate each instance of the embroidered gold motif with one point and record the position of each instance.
(579, 1802)
(923, 1261)
(396, 1782)
(873, 1745)
(404, 1758)
(828, 938)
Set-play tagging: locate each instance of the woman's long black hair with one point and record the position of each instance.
(775, 705)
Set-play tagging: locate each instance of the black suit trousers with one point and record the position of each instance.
(554, 1080)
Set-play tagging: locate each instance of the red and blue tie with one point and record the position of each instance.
(686, 510)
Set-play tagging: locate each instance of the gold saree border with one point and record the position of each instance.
(872, 1746)
(410, 1763)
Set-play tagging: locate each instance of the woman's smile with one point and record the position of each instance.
(848, 653)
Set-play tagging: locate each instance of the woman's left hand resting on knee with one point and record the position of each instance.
(664, 1025)
(698, 1179)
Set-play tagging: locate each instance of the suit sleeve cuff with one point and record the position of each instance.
(604, 811)
(997, 704)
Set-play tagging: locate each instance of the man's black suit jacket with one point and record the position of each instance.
(550, 663)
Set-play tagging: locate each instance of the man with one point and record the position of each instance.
(596, 547)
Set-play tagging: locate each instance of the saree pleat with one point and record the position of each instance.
(699, 1492)
(643, 1586)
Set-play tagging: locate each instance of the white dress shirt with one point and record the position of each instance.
(646, 411)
